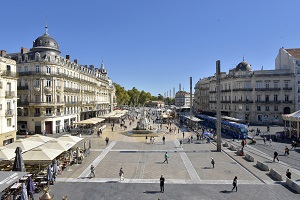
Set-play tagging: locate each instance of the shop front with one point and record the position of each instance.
(7, 138)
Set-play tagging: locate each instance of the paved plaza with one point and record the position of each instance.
(189, 174)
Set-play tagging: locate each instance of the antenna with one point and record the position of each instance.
(46, 27)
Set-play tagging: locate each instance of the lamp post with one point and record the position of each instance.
(218, 122)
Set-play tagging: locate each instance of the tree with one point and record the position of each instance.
(134, 96)
(121, 95)
(160, 97)
(144, 97)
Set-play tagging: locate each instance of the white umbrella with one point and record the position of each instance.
(58, 145)
(41, 154)
(24, 144)
(40, 138)
(70, 138)
(7, 154)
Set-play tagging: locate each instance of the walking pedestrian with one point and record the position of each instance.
(213, 162)
(288, 174)
(180, 142)
(286, 151)
(146, 139)
(162, 184)
(121, 174)
(275, 156)
(270, 141)
(106, 140)
(166, 158)
(265, 139)
(92, 175)
(182, 134)
(234, 183)
(163, 138)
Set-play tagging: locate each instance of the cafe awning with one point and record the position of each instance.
(58, 145)
(40, 138)
(94, 120)
(7, 154)
(70, 138)
(9, 178)
(41, 154)
(24, 144)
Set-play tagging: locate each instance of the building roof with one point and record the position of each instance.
(294, 52)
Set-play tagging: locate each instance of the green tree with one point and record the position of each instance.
(121, 95)
(160, 97)
(144, 97)
(134, 96)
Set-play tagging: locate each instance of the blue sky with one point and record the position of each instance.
(154, 45)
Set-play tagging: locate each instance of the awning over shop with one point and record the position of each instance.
(295, 116)
(94, 120)
(9, 178)
(41, 154)
(194, 119)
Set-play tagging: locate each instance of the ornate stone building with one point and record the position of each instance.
(182, 99)
(54, 92)
(8, 100)
(259, 96)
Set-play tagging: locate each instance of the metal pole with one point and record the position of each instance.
(218, 100)
(191, 102)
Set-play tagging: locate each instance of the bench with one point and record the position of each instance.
(275, 175)
(293, 185)
(232, 148)
(262, 166)
(249, 158)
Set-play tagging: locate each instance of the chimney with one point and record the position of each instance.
(68, 57)
(92, 67)
(2, 53)
(76, 61)
(24, 50)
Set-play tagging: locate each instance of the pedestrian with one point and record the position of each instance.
(213, 162)
(270, 141)
(121, 174)
(92, 172)
(45, 133)
(265, 139)
(146, 139)
(166, 158)
(288, 174)
(234, 183)
(275, 156)
(180, 142)
(286, 151)
(192, 139)
(178, 130)
(106, 140)
(243, 145)
(182, 134)
(163, 138)
(162, 184)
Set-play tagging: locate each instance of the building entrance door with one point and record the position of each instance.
(48, 127)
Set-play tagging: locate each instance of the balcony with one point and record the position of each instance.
(242, 89)
(37, 114)
(287, 88)
(23, 87)
(58, 114)
(58, 89)
(9, 94)
(7, 73)
(22, 103)
(225, 101)
(48, 90)
(213, 91)
(36, 89)
(226, 90)
(49, 114)
(9, 113)
(287, 102)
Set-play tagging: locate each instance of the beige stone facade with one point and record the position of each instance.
(8, 100)
(54, 92)
(259, 97)
(182, 99)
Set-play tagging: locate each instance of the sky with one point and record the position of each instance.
(155, 45)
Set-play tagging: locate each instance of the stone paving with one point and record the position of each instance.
(189, 174)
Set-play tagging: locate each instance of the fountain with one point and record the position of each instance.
(143, 125)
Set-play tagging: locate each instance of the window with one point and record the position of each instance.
(37, 111)
(58, 98)
(48, 99)
(258, 108)
(37, 69)
(286, 97)
(48, 70)
(58, 82)
(37, 98)
(37, 83)
(8, 122)
(267, 98)
(275, 108)
(48, 82)
(286, 84)
(275, 97)
(48, 111)
(57, 70)
(267, 108)
(247, 107)
(258, 84)
(267, 85)
(26, 69)
(258, 98)
(259, 118)
(275, 84)
(25, 111)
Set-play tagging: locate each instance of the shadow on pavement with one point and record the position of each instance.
(112, 181)
(152, 192)
(226, 191)
(160, 163)
(206, 168)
